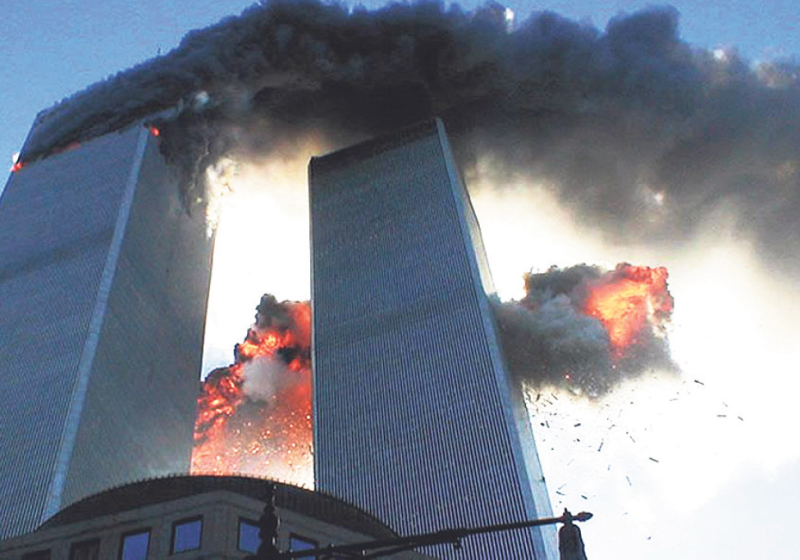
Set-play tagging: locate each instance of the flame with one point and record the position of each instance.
(155, 131)
(629, 301)
(240, 433)
(67, 148)
(19, 164)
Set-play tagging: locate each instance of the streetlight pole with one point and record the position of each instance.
(570, 543)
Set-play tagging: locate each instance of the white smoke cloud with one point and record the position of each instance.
(265, 377)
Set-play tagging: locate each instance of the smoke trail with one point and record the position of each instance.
(587, 329)
(635, 129)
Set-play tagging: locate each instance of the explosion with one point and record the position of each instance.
(587, 328)
(628, 301)
(254, 416)
(581, 327)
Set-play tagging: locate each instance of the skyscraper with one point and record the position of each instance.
(103, 288)
(416, 417)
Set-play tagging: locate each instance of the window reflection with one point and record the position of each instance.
(187, 534)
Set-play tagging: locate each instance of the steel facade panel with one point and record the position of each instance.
(414, 420)
(95, 250)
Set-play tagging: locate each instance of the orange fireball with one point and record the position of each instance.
(260, 435)
(630, 301)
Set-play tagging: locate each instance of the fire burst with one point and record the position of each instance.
(252, 422)
(630, 301)
(588, 329)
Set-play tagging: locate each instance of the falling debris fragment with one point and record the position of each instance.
(699, 382)
(576, 425)
(654, 460)
(584, 497)
(629, 480)
(601, 447)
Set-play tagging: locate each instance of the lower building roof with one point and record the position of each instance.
(316, 505)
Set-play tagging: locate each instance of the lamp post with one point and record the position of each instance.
(570, 545)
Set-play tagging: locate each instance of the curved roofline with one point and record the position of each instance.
(135, 495)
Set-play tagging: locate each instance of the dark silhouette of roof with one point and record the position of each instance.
(316, 505)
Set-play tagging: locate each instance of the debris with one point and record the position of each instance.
(601, 445)
(740, 418)
(553, 395)
(576, 425)
(562, 486)
(584, 497)
(722, 415)
(560, 493)
(629, 480)
(699, 382)
(654, 460)
(630, 436)
(538, 396)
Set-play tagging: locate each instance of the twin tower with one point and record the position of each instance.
(103, 290)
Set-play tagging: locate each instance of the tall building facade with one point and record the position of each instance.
(103, 290)
(416, 417)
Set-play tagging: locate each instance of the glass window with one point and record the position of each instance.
(296, 542)
(187, 534)
(249, 541)
(38, 555)
(134, 545)
(86, 550)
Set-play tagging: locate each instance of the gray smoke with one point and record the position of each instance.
(608, 118)
(550, 339)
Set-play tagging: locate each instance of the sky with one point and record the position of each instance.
(666, 465)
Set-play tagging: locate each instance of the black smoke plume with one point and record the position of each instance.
(643, 134)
